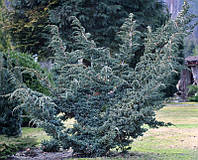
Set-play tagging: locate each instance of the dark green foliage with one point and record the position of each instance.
(10, 119)
(28, 69)
(50, 146)
(189, 47)
(172, 81)
(8, 149)
(26, 21)
(193, 93)
(103, 18)
(109, 99)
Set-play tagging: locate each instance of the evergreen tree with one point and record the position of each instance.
(27, 19)
(109, 99)
(17, 69)
(10, 118)
(103, 18)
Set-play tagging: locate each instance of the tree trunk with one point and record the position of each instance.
(183, 83)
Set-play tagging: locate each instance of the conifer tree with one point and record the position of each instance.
(10, 119)
(27, 19)
(24, 21)
(103, 18)
(17, 69)
(109, 100)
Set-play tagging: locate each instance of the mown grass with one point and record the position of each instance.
(179, 114)
(183, 103)
(177, 142)
(36, 134)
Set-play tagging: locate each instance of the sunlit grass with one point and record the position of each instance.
(179, 114)
(36, 133)
(28, 134)
(183, 103)
(177, 142)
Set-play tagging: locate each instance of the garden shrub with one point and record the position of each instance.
(28, 64)
(110, 100)
(17, 67)
(50, 145)
(10, 119)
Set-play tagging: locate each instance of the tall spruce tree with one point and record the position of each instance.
(104, 18)
(27, 19)
(110, 100)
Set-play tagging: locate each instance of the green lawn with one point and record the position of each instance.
(177, 142)
(29, 134)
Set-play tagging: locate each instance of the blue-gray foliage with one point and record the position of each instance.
(109, 100)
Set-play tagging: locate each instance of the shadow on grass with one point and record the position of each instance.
(31, 137)
(9, 146)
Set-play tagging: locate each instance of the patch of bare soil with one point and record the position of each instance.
(38, 154)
